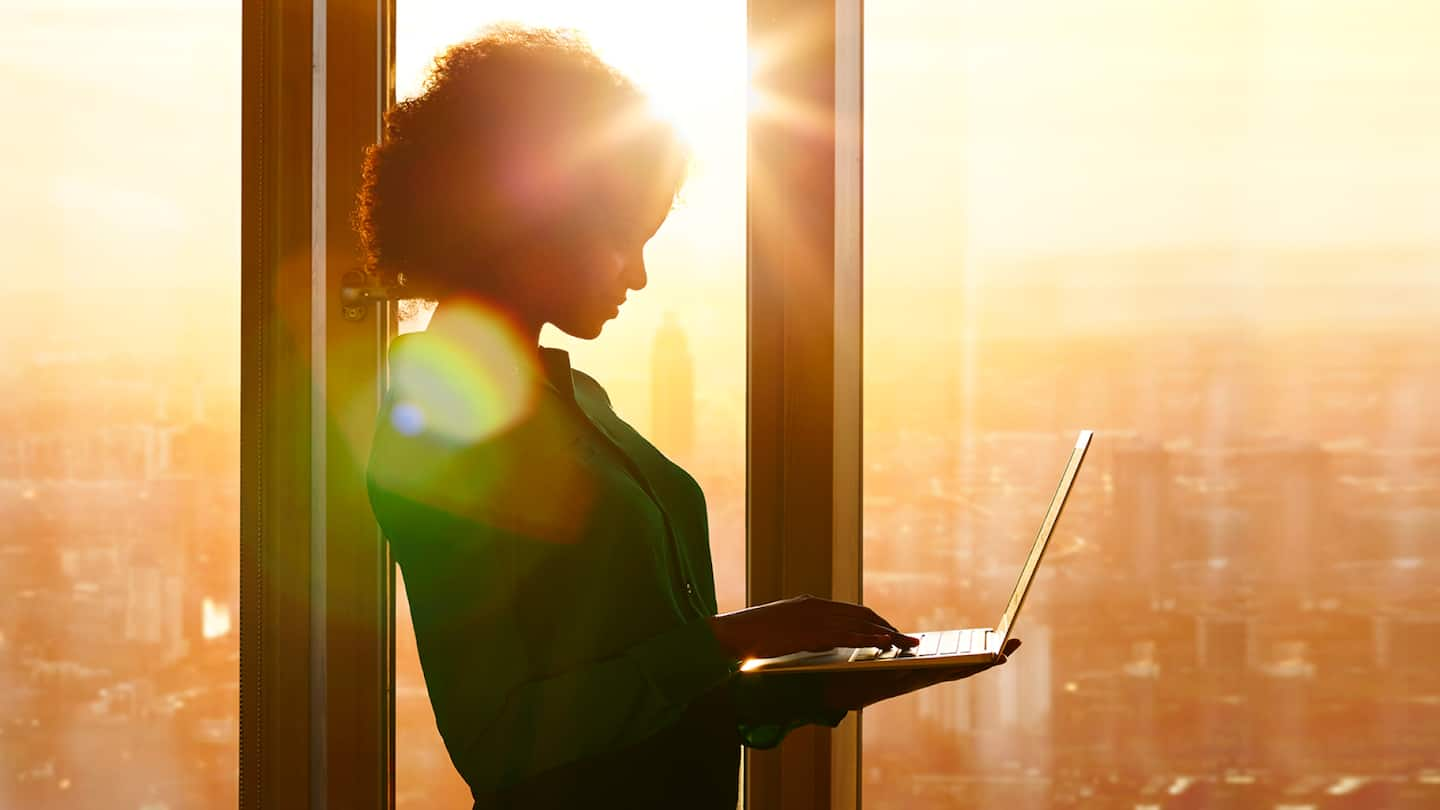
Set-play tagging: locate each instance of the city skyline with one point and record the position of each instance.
(1205, 229)
(1210, 536)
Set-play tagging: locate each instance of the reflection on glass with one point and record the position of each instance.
(119, 426)
(674, 361)
(1207, 231)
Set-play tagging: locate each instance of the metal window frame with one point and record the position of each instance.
(317, 583)
(804, 387)
(317, 593)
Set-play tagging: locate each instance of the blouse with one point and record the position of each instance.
(558, 570)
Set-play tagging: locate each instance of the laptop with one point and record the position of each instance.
(942, 648)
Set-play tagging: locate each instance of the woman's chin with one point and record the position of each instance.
(585, 330)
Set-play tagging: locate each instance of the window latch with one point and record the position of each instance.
(358, 290)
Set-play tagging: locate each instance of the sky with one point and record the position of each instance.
(994, 132)
(121, 148)
(1054, 127)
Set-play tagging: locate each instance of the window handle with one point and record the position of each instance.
(358, 290)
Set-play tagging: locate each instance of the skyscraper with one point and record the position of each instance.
(1142, 511)
(672, 391)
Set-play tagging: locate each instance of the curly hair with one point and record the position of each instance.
(519, 133)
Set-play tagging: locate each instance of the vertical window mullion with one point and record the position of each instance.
(358, 604)
(275, 728)
(847, 559)
(315, 593)
(803, 386)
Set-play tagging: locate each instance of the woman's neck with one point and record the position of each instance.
(471, 317)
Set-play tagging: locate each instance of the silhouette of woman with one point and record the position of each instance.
(557, 565)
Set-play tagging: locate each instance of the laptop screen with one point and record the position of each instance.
(1057, 503)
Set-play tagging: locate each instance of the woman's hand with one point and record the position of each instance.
(804, 623)
(852, 691)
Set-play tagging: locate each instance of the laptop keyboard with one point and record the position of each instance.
(948, 642)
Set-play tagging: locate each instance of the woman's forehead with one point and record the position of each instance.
(640, 201)
(658, 207)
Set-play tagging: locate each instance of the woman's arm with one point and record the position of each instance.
(768, 707)
(486, 603)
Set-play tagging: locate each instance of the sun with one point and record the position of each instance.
(688, 58)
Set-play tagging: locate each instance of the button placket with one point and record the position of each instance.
(633, 468)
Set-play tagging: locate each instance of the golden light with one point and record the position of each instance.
(771, 59)
(465, 385)
(215, 618)
(689, 59)
(750, 663)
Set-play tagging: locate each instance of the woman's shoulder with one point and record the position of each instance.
(446, 396)
(590, 385)
(523, 477)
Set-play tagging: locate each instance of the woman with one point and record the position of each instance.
(558, 566)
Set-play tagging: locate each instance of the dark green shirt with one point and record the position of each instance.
(557, 566)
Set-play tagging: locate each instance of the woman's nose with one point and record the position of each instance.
(633, 270)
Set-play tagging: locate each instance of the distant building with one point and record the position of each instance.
(1406, 641)
(1142, 513)
(947, 706)
(672, 387)
(1225, 642)
(1017, 695)
(154, 607)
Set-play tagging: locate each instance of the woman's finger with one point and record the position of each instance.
(860, 624)
(869, 619)
(843, 639)
(876, 635)
(858, 617)
(881, 640)
(876, 617)
(850, 610)
(872, 616)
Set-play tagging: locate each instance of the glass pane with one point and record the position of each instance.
(119, 451)
(678, 346)
(1207, 231)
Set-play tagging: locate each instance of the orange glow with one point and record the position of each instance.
(1207, 227)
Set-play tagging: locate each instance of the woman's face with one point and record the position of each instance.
(589, 270)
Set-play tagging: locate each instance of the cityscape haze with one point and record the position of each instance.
(1205, 229)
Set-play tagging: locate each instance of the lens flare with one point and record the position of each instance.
(465, 384)
(407, 418)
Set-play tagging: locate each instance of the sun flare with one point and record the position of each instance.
(693, 77)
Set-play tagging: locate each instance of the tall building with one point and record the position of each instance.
(672, 391)
(1142, 512)
(1018, 694)
(1225, 642)
(154, 607)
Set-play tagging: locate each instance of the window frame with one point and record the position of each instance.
(275, 717)
(803, 425)
(317, 582)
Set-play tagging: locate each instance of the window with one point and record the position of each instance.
(1163, 224)
(118, 452)
(679, 345)
(1206, 231)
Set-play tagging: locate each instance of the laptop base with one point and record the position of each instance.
(856, 659)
